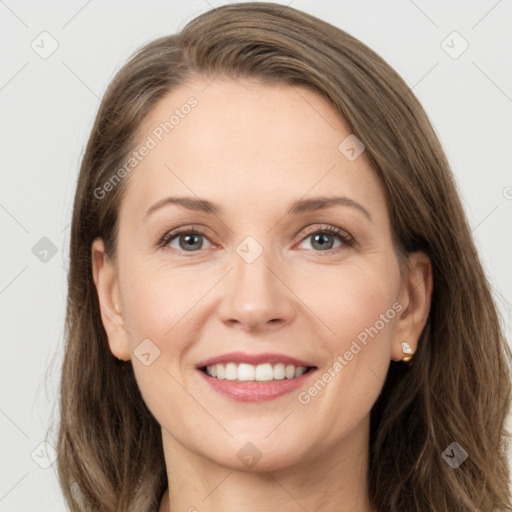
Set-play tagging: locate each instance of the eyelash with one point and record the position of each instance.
(348, 240)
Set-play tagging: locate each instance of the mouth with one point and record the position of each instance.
(246, 377)
(258, 384)
(244, 372)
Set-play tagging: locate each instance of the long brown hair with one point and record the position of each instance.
(110, 454)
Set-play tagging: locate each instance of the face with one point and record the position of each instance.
(269, 271)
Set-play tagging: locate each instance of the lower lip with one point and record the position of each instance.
(256, 391)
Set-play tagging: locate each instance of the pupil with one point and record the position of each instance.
(321, 239)
(190, 240)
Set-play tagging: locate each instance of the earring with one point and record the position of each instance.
(406, 349)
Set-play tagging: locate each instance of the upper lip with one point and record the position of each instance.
(254, 359)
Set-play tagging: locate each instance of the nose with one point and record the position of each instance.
(256, 297)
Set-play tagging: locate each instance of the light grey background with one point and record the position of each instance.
(48, 106)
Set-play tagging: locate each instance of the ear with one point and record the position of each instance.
(105, 279)
(415, 297)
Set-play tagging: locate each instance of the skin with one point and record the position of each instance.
(254, 149)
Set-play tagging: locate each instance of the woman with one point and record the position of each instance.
(275, 302)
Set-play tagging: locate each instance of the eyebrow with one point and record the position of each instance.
(298, 207)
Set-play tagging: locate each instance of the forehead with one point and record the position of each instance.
(227, 139)
(228, 113)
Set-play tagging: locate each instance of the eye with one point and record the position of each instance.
(323, 239)
(186, 239)
(190, 239)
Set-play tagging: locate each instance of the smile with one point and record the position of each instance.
(244, 372)
(256, 390)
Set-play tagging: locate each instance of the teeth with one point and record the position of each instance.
(247, 372)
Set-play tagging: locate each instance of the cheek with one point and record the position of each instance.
(159, 310)
(168, 307)
(350, 299)
(357, 310)
(156, 299)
